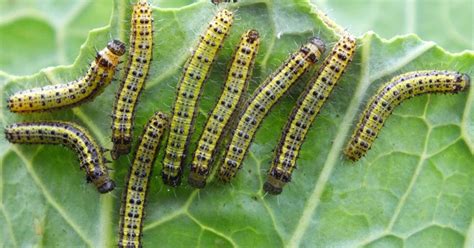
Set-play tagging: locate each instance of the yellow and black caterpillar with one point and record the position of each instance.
(390, 95)
(140, 56)
(135, 192)
(304, 113)
(271, 90)
(71, 135)
(53, 97)
(195, 72)
(236, 84)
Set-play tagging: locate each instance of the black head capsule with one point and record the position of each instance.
(106, 187)
(117, 47)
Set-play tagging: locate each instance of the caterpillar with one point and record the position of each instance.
(134, 196)
(70, 135)
(236, 84)
(390, 95)
(217, 2)
(53, 97)
(140, 56)
(303, 114)
(261, 102)
(195, 72)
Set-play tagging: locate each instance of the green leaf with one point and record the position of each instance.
(449, 23)
(414, 188)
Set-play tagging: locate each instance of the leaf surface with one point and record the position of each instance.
(414, 188)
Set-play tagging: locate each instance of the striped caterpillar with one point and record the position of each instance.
(304, 113)
(134, 195)
(53, 97)
(71, 135)
(235, 86)
(390, 95)
(140, 55)
(263, 99)
(217, 2)
(196, 71)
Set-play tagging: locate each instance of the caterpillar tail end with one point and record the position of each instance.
(198, 176)
(352, 154)
(15, 107)
(119, 150)
(196, 181)
(228, 170)
(173, 181)
(224, 175)
(10, 104)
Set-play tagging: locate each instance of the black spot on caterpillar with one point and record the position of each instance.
(390, 95)
(304, 113)
(235, 86)
(272, 89)
(71, 135)
(196, 71)
(53, 97)
(141, 47)
(135, 193)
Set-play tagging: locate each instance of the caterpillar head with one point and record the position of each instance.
(116, 47)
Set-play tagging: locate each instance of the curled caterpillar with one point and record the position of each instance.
(235, 86)
(196, 71)
(140, 55)
(390, 95)
(261, 102)
(304, 113)
(71, 135)
(139, 175)
(53, 97)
